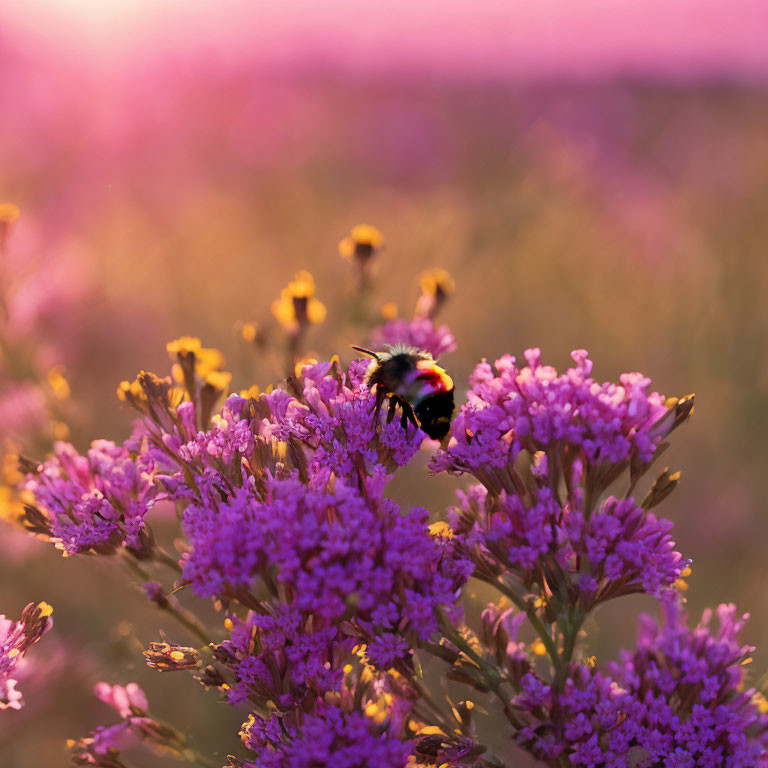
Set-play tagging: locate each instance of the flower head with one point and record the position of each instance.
(101, 748)
(253, 333)
(188, 352)
(16, 638)
(9, 213)
(95, 502)
(297, 306)
(362, 243)
(567, 416)
(420, 333)
(437, 285)
(619, 549)
(127, 700)
(171, 657)
(329, 737)
(341, 555)
(333, 414)
(680, 695)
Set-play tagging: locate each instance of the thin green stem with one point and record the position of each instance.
(205, 762)
(184, 616)
(188, 619)
(135, 568)
(437, 711)
(570, 633)
(534, 620)
(490, 672)
(167, 559)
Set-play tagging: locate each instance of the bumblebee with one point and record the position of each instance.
(410, 378)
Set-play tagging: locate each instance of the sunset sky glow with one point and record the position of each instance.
(516, 39)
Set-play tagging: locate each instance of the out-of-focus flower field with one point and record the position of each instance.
(178, 193)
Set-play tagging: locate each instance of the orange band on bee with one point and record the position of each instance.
(431, 370)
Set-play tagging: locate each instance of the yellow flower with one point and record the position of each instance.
(437, 281)
(245, 729)
(128, 391)
(183, 346)
(681, 584)
(9, 212)
(208, 360)
(436, 286)
(58, 382)
(441, 530)
(177, 372)
(538, 647)
(10, 509)
(254, 333)
(361, 243)
(760, 702)
(135, 392)
(187, 354)
(8, 215)
(60, 430)
(302, 362)
(389, 310)
(219, 380)
(297, 305)
(248, 332)
(9, 469)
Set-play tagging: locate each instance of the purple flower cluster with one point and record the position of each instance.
(619, 549)
(16, 638)
(334, 416)
(420, 332)
(690, 684)
(96, 502)
(321, 424)
(329, 586)
(329, 737)
(233, 434)
(278, 656)
(536, 409)
(335, 555)
(678, 700)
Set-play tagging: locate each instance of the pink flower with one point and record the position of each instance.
(127, 700)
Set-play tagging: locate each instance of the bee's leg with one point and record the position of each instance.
(408, 415)
(380, 398)
(393, 402)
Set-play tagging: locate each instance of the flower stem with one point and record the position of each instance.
(534, 620)
(184, 616)
(188, 620)
(167, 559)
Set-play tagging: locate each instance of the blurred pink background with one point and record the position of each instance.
(593, 173)
(513, 39)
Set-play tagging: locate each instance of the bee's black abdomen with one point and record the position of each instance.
(434, 414)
